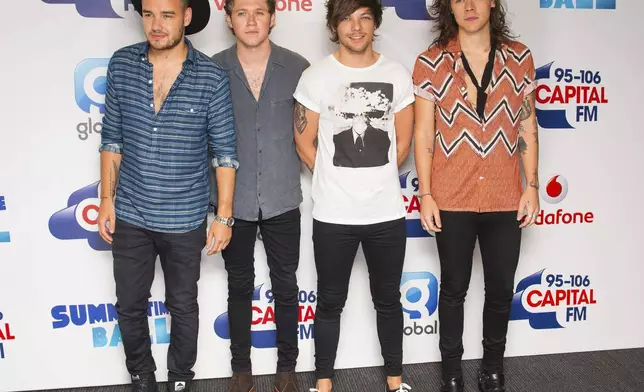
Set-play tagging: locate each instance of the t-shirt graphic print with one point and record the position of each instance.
(364, 142)
(355, 178)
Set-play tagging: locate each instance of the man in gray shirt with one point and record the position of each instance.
(263, 77)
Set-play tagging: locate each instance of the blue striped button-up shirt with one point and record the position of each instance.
(163, 180)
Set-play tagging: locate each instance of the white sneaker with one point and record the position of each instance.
(402, 388)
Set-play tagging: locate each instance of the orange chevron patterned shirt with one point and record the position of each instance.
(476, 160)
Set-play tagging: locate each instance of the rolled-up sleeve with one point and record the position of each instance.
(422, 79)
(112, 132)
(221, 127)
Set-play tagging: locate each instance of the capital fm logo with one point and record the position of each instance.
(568, 96)
(579, 4)
(5, 335)
(553, 300)
(419, 298)
(409, 186)
(553, 193)
(263, 332)
(410, 9)
(105, 9)
(79, 220)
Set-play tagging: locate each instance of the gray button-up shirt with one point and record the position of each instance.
(268, 177)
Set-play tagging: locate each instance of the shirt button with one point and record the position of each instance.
(151, 105)
(260, 151)
(260, 173)
(154, 129)
(481, 177)
(150, 81)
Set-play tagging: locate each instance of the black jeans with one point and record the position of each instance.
(335, 248)
(135, 251)
(499, 238)
(281, 237)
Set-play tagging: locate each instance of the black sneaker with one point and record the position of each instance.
(144, 382)
(179, 386)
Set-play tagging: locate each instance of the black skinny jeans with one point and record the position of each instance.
(335, 248)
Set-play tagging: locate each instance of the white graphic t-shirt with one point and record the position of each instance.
(355, 180)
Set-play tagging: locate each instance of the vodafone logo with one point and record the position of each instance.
(555, 190)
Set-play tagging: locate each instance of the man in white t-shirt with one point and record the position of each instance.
(353, 128)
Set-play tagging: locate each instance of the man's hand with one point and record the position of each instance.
(528, 207)
(106, 215)
(219, 236)
(430, 214)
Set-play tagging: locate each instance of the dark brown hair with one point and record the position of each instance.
(230, 4)
(336, 10)
(441, 11)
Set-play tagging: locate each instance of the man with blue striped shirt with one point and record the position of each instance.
(167, 105)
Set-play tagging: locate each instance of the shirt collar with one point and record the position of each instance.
(231, 60)
(454, 47)
(191, 57)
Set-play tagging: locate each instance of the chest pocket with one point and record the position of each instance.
(282, 118)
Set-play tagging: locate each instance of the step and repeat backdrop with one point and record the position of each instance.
(579, 278)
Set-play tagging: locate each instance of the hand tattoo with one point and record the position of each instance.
(300, 117)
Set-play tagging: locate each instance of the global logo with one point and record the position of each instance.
(568, 96)
(419, 299)
(555, 190)
(410, 9)
(90, 86)
(263, 332)
(79, 220)
(551, 301)
(108, 9)
(579, 4)
(409, 186)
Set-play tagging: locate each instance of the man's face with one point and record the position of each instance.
(164, 22)
(251, 21)
(359, 124)
(472, 15)
(356, 31)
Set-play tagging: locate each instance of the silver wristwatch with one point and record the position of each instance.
(226, 221)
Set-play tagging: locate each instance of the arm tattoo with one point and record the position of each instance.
(114, 179)
(523, 147)
(300, 117)
(526, 106)
(535, 181)
(521, 128)
(430, 151)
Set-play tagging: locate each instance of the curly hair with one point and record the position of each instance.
(441, 11)
(336, 10)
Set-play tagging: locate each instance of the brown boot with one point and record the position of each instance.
(241, 382)
(286, 382)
